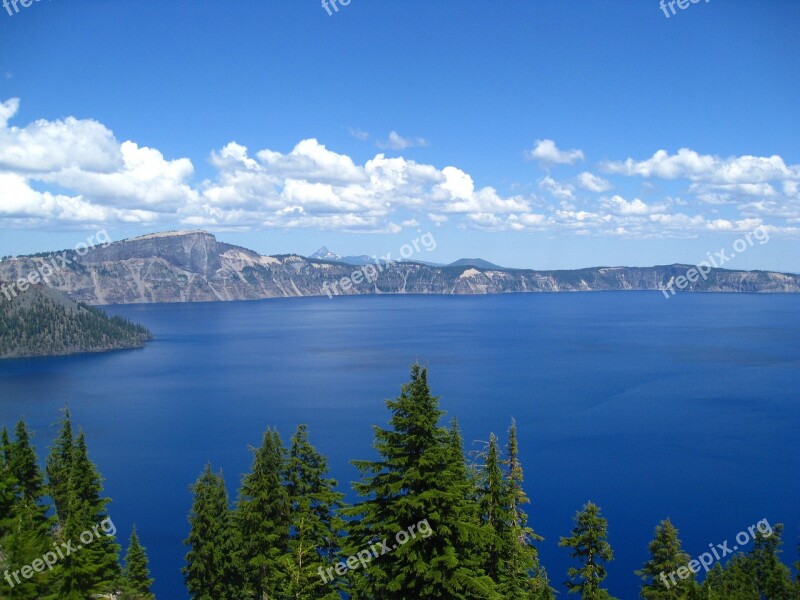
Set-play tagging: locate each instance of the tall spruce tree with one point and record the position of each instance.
(771, 576)
(212, 570)
(592, 550)
(315, 526)
(25, 522)
(59, 467)
(94, 568)
(262, 517)
(666, 557)
(136, 574)
(526, 578)
(420, 474)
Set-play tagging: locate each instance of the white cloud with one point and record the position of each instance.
(398, 142)
(593, 183)
(545, 151)
(73, 171)
(618, 205)
(562, 191)
(706, 168)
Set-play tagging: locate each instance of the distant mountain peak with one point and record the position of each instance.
(325, 254)
(477, 263)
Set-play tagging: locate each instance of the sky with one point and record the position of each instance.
(540, 134)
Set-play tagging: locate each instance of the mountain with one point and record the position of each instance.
(478, 263)
(43, 322)
(325, 254)
(192, 266)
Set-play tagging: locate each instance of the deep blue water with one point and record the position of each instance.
(684, 408)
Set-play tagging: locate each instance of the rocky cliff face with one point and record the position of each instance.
(193, 266)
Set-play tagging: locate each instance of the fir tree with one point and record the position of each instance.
(212, 571)
(592, 550)
(420, 474)
(94, 569)
(59, 467)
(526, 578)
(262, 516)
(315, 527)
(734, 582)
(771, 576)
(26, 522)
(666, 557)
(136, 574)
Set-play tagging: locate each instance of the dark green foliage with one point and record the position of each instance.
(262, 517)
(213, 565)
(666, 557)
(136, 574)
(40, 323)
(771, 576)
(94, 569)
(592, 550)
(315, 526)
(23, 522)
(420, 474)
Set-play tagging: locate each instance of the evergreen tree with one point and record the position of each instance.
(592, 550)
(527, 578)
(315, 527)
(136, 574)
(59, 467)
(420, 474)
(771, 576)
(262, 516)
(733, 582)
(666, 557)
(26, 522)
(94, 568)
(212, 571)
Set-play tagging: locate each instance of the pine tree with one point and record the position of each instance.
(666, 557)
(734, 582)
(59, 467)
(771, 576)
(136, 574)
(315, 527)
(262, 517)
(419, 475)
(526, 577)
(26, 522)
(592, 550)
(212, 571)
(94, 568)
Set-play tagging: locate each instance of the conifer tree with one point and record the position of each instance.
(592, 550)
(420, 474)
(136, 574)
(59, 467)
(262, 517)
(26, 521)
(212, 571)
(526, 577)
(733, 582)
(94, 569)
(666, 557)
(315, 526)
(771, 576)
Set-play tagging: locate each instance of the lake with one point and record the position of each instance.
(684, 408)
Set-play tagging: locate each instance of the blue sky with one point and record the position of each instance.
(545, 134)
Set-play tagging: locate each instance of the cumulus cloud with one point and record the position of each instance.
(707, 168)
(546, 152)
(72, 171)
(593, 183)
(562, 191)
